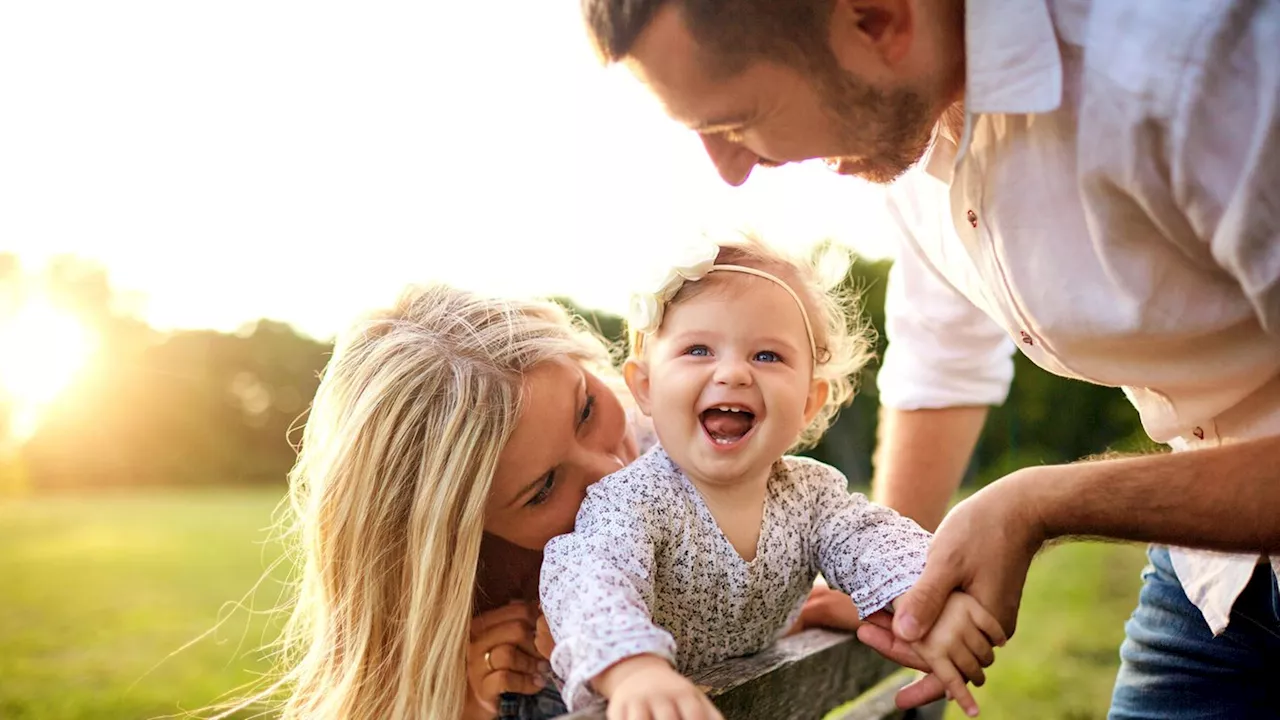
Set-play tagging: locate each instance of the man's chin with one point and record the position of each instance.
(878, 172)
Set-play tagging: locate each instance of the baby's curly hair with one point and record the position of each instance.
(843, 337)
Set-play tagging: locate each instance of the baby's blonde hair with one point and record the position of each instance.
(388, 497)
(842, 337)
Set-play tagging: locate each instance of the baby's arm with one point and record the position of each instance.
(959, 645)
(646, 686)
(867, 551)
(596, 589)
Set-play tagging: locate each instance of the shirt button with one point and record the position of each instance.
(1027, 338)
(973, 218)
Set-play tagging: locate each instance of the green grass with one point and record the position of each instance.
(1062, 661)
(97, 594)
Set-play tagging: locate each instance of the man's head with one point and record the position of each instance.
(857, 82)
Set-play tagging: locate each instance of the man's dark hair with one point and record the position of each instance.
(735, 32)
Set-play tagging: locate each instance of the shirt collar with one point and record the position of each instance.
(1012, 66)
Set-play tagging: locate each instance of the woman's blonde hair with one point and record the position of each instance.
(388, 497)
(842, 337)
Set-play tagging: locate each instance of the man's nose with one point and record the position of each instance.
(733, 161)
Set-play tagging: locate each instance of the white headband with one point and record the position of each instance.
(647, 308)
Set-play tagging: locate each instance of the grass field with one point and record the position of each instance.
(97, 594)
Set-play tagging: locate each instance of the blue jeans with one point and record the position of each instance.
(543, 706)
(1173, 668)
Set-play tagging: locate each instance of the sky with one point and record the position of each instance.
(304, 161)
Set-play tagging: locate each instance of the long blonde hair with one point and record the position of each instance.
(388, 497)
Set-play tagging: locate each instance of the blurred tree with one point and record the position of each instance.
(182, 408)
(203, 407)
(612, 328)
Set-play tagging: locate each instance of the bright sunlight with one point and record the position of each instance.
(42, 350)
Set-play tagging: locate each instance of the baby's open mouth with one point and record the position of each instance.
(727, 424)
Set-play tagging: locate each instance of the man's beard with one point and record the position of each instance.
(886, 132)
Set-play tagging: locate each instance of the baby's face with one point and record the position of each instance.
(729, 378)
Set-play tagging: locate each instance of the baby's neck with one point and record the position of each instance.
(738, 508)
(743, 487)
(741, 492)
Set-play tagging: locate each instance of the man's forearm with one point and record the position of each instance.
(920, 459)
(1224, 498)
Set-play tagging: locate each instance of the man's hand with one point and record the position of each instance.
(876, 632)
(984, 548)
(959, 646)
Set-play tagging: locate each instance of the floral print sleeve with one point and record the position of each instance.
(597, 582)
(866, 550)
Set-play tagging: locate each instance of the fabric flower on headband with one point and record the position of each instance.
(693, 263)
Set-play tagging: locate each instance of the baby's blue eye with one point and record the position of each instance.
(699, 351)
(768, 356)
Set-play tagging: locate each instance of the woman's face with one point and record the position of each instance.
(571, 433)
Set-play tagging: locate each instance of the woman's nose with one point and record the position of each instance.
(597, 463)
(733, 161)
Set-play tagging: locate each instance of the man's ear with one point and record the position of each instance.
(863, 32)
(636, 373)
(818, 392)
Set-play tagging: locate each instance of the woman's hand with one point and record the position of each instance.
(501, 657)
(646, 687)
(542, 639)
(827, 608)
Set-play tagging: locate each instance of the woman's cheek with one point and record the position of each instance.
(565, 513)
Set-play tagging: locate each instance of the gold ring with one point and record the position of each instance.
(487, 653)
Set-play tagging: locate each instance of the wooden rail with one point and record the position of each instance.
(802, 677)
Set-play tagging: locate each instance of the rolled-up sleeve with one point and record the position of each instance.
(943, 350)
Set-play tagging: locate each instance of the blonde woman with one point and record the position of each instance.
(449, 440)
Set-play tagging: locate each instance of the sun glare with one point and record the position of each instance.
(42, 350)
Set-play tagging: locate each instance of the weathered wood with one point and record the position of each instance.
(801, 677)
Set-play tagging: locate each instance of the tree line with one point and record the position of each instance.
(200, 408)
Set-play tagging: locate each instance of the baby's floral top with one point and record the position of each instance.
(647, 569)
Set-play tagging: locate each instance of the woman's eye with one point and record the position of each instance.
(587, 408)
(768, 356)
(544, 492)
(698, 351)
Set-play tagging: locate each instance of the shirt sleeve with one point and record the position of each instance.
(596, 587)
(943, 350)
(1224, 142)
(867, 551)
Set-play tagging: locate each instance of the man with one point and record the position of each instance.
(1097, 184)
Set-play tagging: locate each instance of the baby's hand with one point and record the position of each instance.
(959, 646)
(646, 687)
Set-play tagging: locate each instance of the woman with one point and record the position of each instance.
(449, 440)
